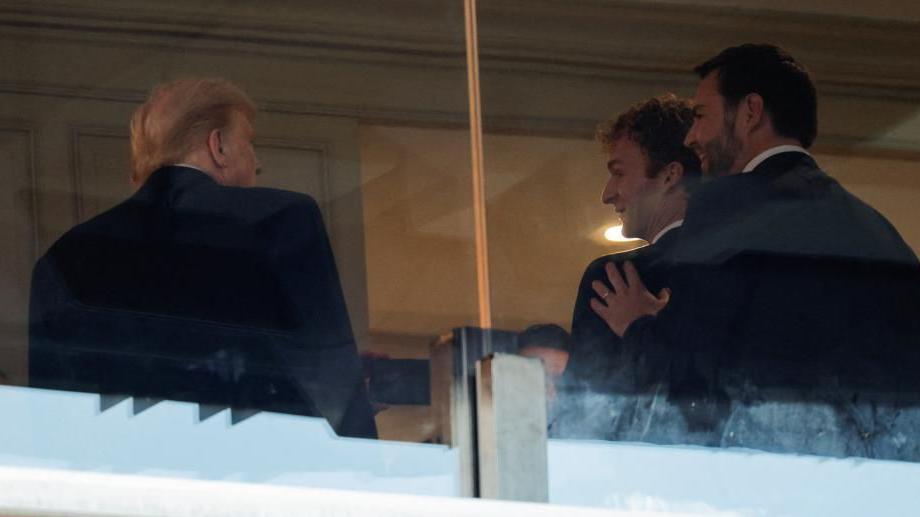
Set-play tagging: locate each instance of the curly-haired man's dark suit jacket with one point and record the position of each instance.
(608, 382)
(194, 291)
(792, 325)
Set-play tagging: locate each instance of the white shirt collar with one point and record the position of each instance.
(665, 230)
(187, 166)
(771, 152)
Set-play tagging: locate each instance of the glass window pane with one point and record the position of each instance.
(210, 309)
(789, 321)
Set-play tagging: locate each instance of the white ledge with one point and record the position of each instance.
(40, 492)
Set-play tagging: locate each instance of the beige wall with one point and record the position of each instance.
(891, 185)
(545, 220)
(418, 225)
(545, 223)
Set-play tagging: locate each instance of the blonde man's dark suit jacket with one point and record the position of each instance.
(190, 290)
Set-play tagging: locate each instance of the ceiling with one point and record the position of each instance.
(900, 10)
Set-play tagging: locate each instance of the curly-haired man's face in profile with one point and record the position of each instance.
(635, 196)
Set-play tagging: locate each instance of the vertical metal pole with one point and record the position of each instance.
(477, 169)
(511, 421)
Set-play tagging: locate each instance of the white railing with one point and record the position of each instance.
(38, 492)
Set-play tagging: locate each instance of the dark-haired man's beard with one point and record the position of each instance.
(722, 151)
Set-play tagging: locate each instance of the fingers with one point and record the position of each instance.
(599, 308)
(608, 314)
(616, 280)
(600, 289)
(628, 300)
(632, 276)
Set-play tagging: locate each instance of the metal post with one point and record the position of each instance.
(453, 392)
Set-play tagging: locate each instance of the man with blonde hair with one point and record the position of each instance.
(198, 287)
(191, 122)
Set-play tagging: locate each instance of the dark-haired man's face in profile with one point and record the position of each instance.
(712, 136)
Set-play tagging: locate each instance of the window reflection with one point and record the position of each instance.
(360, 105)
(789, 317)
(790, 328)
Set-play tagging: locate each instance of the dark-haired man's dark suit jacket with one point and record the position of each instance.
(194, 291)
(605, 376)
(792, 324)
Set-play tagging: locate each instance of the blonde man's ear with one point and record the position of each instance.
(216, 149)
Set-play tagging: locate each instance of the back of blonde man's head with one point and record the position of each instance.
(177, 118)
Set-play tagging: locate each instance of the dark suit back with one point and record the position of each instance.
(790, 295)
(194, 291)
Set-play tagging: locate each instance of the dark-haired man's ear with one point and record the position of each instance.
(216, 149)
(752, 111)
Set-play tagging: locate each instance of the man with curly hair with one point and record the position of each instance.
(650, 173)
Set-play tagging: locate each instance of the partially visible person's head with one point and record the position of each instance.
(748, 92)
(202, 122)
(551, 344)
(647, 162)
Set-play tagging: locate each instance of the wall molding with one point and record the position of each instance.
(364, 113)
(853, 59)
(310, 146)
(849, 55)
(77, 174)
(578, 128)
(81, 131)
(32, 148)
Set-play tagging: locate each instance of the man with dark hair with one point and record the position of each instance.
(649, 175)
(790, 326)
(551, 344)
(199, 287)
(782, 83)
